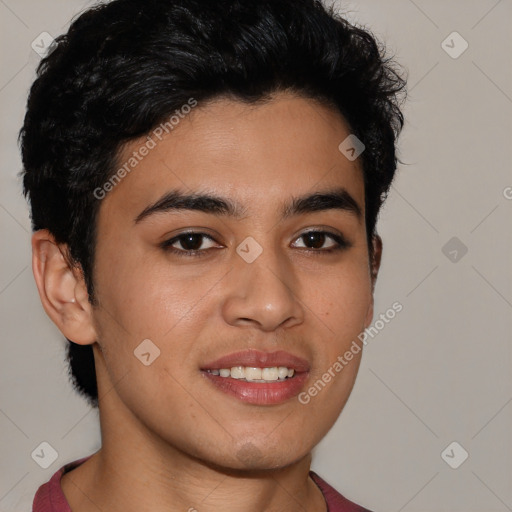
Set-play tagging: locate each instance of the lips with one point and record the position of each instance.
(269, 393)
(258, 392)
(259, 359)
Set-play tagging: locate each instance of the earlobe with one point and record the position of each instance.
(62, 289)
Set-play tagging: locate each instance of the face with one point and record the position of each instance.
(252, 270)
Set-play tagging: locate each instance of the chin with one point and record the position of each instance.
(249, 457)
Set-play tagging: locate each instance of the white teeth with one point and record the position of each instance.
(270, 373)
(282, 372)
(238, 372)
(254, 374)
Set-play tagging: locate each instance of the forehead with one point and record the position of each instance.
(257, 154)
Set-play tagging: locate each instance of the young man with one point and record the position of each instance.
(205, 179)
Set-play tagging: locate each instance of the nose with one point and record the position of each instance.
(262, 293)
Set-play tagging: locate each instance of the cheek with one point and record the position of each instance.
(340, 300)
(160, 304)
(148, 298)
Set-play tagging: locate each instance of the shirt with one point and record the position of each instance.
(50, 498)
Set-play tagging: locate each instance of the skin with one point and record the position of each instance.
(169, 437)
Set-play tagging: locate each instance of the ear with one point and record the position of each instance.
(374, 271)
(62, 288)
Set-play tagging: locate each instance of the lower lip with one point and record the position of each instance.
(259, 393)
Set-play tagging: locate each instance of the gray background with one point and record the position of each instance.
(438, 372)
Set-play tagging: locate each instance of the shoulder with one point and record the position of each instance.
(49, 497)
(335, 501)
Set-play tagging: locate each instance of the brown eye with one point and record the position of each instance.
(315, 240)
(191, 241)
(188, 244)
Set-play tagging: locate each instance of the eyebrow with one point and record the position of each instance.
(176, 200)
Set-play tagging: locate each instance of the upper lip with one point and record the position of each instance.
(259, 359)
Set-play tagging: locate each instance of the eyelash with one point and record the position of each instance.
(342, 244)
